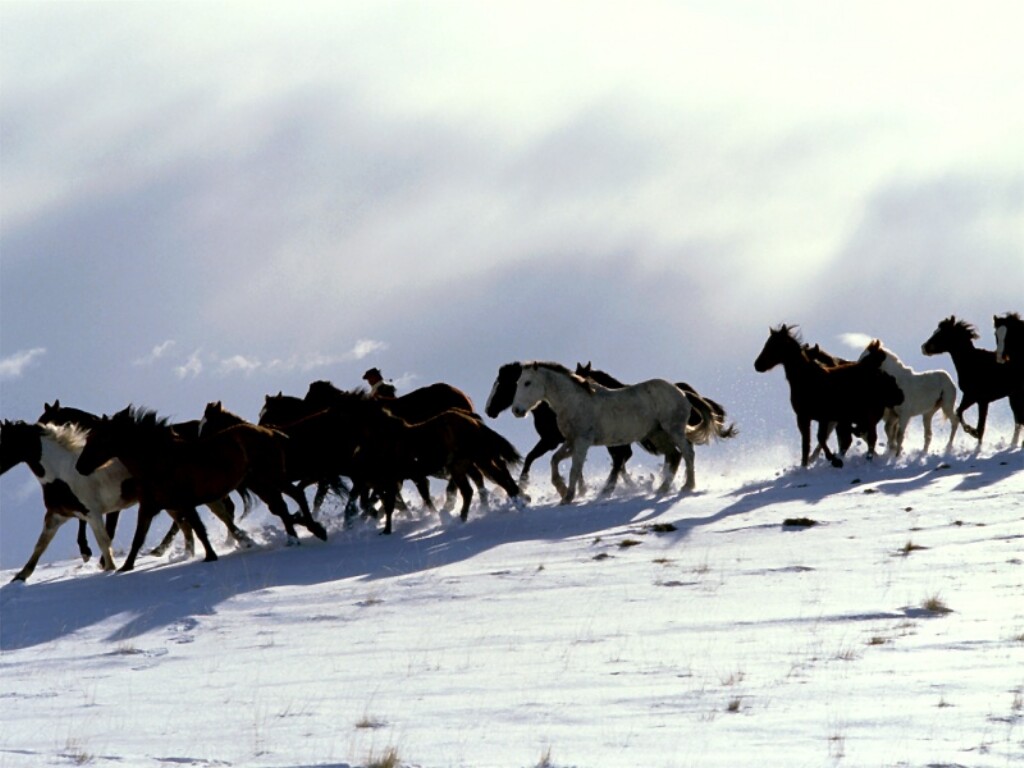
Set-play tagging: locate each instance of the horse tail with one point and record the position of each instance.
(712, 421)
(246, 495)
(499, 447)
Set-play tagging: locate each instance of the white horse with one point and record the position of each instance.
(924, 393)
(51, 451)
(589, 414)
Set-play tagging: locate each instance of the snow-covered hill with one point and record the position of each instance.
(694, 630)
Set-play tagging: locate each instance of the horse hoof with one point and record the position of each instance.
(293, 541)
(837, 463)
(210, 557)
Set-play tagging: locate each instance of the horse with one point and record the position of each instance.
(924, 393)
(224, 509)
(416, 406)
(455, 442)
(851, 395)
(982, 380)
(178, 474)
(314, 454)
(51, 452)
(1009, 330)
(607, 380)
(546, 425)
(589, 414)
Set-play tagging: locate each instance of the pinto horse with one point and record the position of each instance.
(224, 509)
(981, 378)
(589, 414)
(924, 393)
(176, 474)
(50, 451)
(855, 394)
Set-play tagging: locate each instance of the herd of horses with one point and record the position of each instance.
(365, 448)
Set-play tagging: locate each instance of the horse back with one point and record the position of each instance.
(425, 402)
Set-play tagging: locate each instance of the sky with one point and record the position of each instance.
(205, 201)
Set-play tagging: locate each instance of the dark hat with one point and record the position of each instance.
(372, 373)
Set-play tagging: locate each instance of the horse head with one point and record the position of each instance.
(504, 389)
(1009, 330)
(781, 344)
(951, 334)
(529, 390)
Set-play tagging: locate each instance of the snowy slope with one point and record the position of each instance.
(690, 630)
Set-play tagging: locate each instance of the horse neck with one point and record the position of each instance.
(800, 370)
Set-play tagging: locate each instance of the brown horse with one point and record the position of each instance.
(418, 405)
(172, 473)
(855, 394)
(455, 442)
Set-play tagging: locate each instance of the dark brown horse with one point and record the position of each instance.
(454, 443)
(416, 406)
(856, 394)
(982, 380)
(178, 474)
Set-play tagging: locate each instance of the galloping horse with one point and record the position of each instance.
(981, 378)
(924, 393)
(177, 474)
(546, 424)
(607, 380)
(224, 509)
(589, 414)
(855, 394)
(416, 406)
(51, 451)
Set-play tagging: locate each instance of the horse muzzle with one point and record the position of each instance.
(518, 411)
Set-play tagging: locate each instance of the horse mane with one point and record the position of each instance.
(962, 326)
(792, 331)
(325, 389)
(143, 418)
(559, 368)
(70, 437)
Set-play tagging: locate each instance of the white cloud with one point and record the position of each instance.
(191, 368)
(238, 364)
(364, 348)
(14, 366)
(155, 354)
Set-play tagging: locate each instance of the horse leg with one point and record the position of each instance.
(803, 423)
(949, 410)
(192, 519)
(926, 424)
(275, 503)
(160, 548)
(466, 489)
(387, 496)
(477, 477)
(83, 542)
(823, 432)
(966, 403)
(305, 516)
(498, 473)
(423, 487)
(52, 522)
(99, 531)
(579, 457)
(543, 445)
(563, 452)
(224, 509)
(982, 417)
(146, 515)
(620, 454)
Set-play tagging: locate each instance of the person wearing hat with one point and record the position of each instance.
(378, 387)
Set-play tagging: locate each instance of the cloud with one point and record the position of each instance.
(15, 365)
(237, 364)
(191, 368)
(155, 354)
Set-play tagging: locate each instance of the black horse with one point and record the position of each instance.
(854, 394)
(982, 380)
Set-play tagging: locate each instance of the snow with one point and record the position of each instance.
(689, 630)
